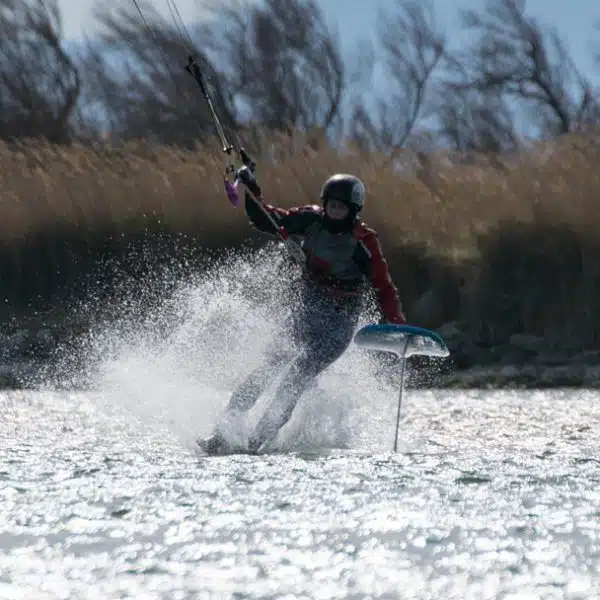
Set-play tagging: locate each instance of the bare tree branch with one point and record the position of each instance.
(472, 121)
(514, 56)
(282, 63)
(412, 50)
(40, 85)
(136, 80)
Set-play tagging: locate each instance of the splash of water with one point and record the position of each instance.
(174, 364)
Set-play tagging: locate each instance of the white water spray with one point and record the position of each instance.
(174, 366)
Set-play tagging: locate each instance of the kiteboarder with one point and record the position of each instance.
(342, 256)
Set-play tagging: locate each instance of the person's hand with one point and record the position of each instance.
(245, 176)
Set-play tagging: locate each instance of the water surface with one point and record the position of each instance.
(492, 495)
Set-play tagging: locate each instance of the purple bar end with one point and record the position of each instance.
(231, 192)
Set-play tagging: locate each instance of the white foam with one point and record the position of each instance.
(175, 365)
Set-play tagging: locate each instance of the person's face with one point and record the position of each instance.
(336, 210)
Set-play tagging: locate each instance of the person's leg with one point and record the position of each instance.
(245, 396)
(324, 344)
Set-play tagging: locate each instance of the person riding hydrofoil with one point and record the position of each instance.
(343, 256)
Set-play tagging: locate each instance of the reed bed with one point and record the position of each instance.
(503, 246)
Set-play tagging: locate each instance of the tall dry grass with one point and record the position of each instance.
(505, 247)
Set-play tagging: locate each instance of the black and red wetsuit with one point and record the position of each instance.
(338, 264)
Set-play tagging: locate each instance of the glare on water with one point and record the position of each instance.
(104, 495)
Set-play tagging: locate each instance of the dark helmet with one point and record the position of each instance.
(347, 189)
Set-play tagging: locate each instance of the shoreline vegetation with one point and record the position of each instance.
(480, 156)
(500, 253)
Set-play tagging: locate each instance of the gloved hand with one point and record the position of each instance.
(247, 160)
(245, 176)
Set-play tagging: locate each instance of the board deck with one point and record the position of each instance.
(403, 340)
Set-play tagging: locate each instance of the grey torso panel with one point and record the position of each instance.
(335, 256)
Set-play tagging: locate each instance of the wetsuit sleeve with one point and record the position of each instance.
(382, 282)
(294, 220)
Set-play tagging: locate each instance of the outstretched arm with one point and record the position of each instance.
(387, 294)
(295, 221)
(263, 216)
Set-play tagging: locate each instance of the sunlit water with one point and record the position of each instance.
(104, 495)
